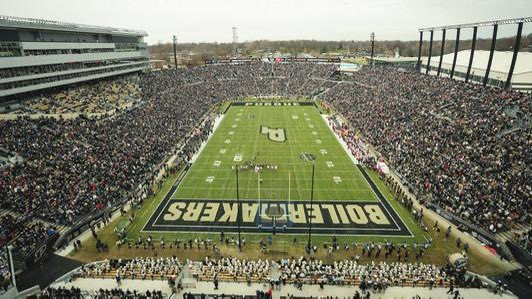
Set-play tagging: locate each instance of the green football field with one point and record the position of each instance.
(275, 147)
(285, 163)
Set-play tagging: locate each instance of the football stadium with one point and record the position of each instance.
(134, 169)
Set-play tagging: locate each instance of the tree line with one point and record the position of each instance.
(196, 53)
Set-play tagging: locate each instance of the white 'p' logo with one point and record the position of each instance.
(277, 135)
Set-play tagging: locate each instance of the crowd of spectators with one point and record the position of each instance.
(10, 227)
(524, 239)
(380, 275)
(93, 97)
(459, 145)
(6, 279)
(344, 272)
(462, 146)
(74, 167)
(73, 292)
(254, 79)
(137, 268)
(234, 269)
(31, 237)
(24, 234)
(374, 276)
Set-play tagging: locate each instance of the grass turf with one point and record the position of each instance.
(238, 140)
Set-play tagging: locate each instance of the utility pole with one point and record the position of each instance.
(235, 42)
(372, 39)
(175, 52)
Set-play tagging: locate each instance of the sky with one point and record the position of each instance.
(211, 20)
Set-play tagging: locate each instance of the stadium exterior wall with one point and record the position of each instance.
(40, 54)
(67, 81)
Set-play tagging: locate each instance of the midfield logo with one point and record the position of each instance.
(277, 134)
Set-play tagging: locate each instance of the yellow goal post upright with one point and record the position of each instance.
(258, 188)
(288, 212)
(276, 208)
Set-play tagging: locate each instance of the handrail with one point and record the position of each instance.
(49, 24)
(480, 24)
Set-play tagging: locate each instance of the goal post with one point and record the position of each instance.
(273, 211)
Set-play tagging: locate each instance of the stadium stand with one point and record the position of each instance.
(459, 145)
(5, 272)
(311, 271)
(378, 276)
(233, 269)
(102, 293)
(524, 240)
(41, 54)
(462, 146)
(138, 268)
(374, 277)
(24, 233)
(89, 98)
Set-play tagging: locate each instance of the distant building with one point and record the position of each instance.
(39, 54)
(157, 64)
(349, 67)
(395, 60)
(521, 79)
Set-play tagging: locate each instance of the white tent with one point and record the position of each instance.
(500, 66)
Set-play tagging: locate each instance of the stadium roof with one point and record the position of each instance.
(18, 22)
(501, 61)
(481, 24)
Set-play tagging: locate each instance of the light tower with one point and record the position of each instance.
(372, 39)
(175, 51)
(235, 42)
